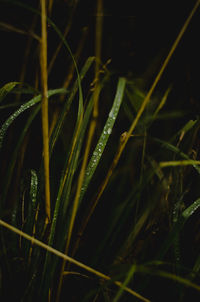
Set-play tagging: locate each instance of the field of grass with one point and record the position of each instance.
(100, 171)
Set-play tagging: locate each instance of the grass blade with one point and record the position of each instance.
(107, 130)
(67, 105)
(125, 283)
(12, 163)
(23, 108)
(185, 215)
(45, 118)
(6, 89)
(67, 258)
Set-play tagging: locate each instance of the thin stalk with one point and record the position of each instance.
(68, 79)
(94, 119)
(77, 55)
(50, 6)
(76, 201)
(124, 138)
(98, 45)
(45, 122)
(67, 29)
(98, 42)
(175, 163)
(67, 258)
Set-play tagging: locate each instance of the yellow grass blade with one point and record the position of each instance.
(71, 260)
(45, 122)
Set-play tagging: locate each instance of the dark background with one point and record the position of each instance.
(134, 34)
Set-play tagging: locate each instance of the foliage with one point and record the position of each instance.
(98, 212)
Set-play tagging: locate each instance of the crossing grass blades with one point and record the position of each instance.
(88, 211)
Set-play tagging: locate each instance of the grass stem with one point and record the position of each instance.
(67, 258)
(91, 132)
(126, 137)
(45, 122)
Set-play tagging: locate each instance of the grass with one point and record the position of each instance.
(91, 211)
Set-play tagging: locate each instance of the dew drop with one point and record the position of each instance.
(111, 114)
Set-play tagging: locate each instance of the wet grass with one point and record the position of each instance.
(96, 204)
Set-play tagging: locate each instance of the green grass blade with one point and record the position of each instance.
(6, 89)
(70, 259)
(187, 127)
(61, 36)
(77, 150)
(97, 154)
(196, 268)
(177, 151)
(125, 283)
(66, 181)
(64, 195)
(158, 272)
(67, 105)
(16, 104)
(31, 201)
(175, 163)
(185, 215)
(13, 159)
(33, 189)
(4, 128)
(23, 108)
(162, 102)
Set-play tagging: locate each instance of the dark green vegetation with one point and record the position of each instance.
(98, 157)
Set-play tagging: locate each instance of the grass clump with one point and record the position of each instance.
(92, 210)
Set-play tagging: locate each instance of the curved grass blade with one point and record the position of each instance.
(124, 141)
(32, 215)
(162, 102)
(125, 283)
(70, 168)
(185, 215)
(176, 150)
(76, 152)
(32, 211)
(61, 36)
(67, 105)
(179, 279)
(12, 162)
(17, 104)
(66, 179)
(175, 163)
(98, 151)
(33, 189)
(63, 197)
(23, 108)
(6, 89)
(107, 130)
(187, 127)
(196, 268)
(152, 271)
(26, 89)
(96, 156)
(33, 201)
(120, 215)
(70, 259)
